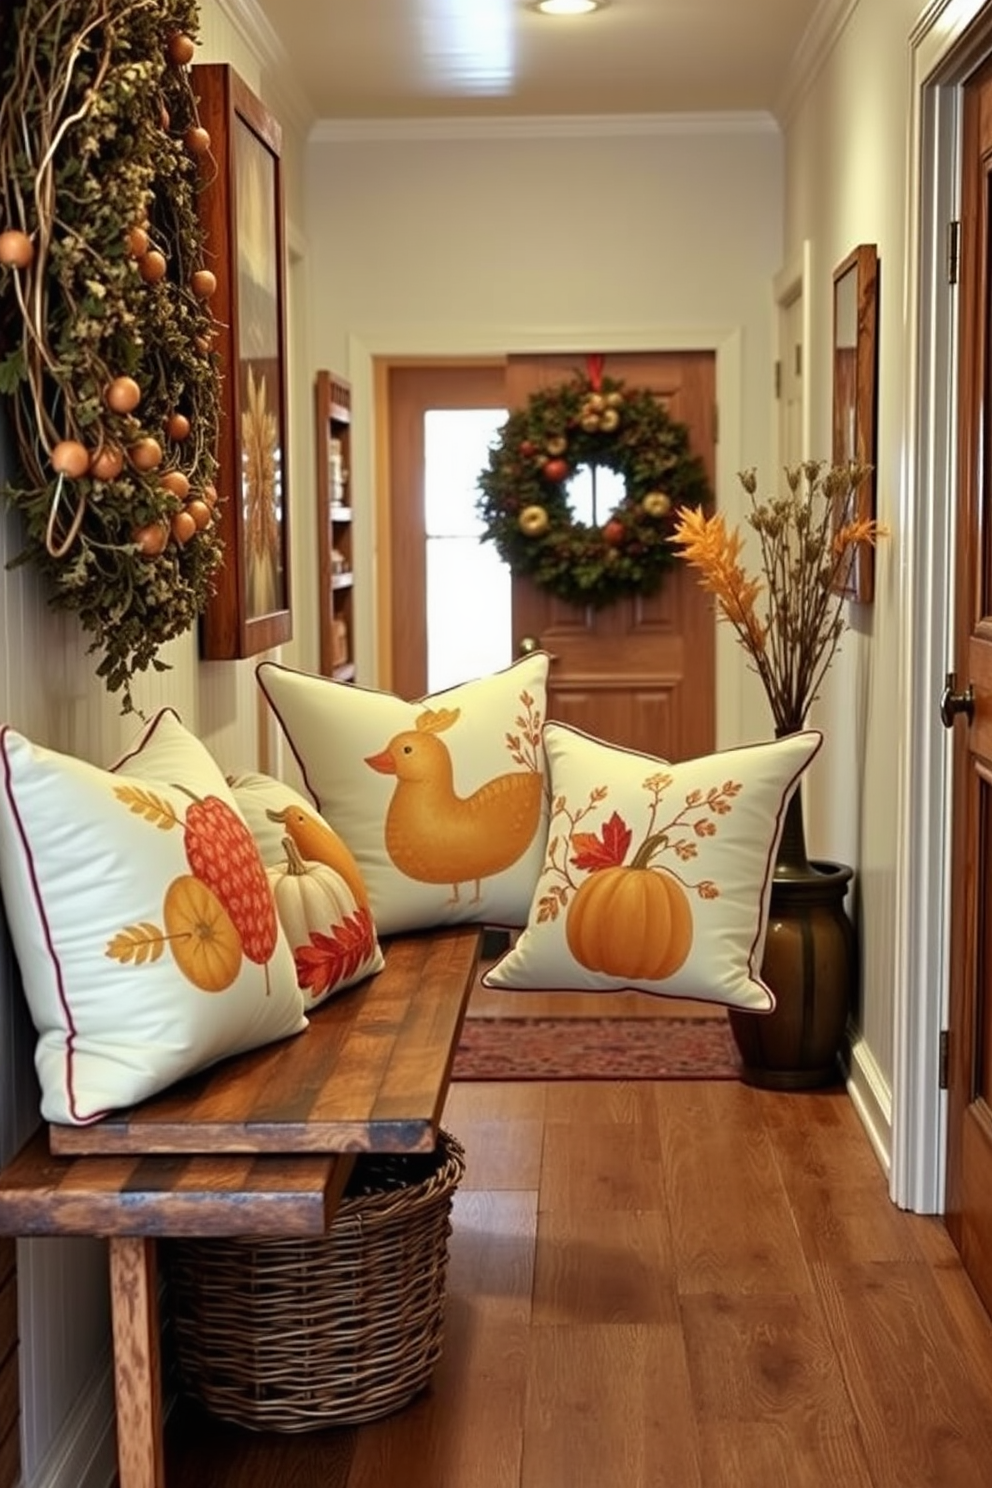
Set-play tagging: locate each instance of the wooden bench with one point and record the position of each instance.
(259, 1145)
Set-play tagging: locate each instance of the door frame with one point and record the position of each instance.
(370, 348)
(946, 45)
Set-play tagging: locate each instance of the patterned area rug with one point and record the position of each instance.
(597, 1049)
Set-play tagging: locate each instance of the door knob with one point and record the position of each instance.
(952, 703)
(530, 644)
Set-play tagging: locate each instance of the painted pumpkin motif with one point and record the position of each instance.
(309, 896)
(630, 922)
(316, 842)
(331, 935)
(205, 942)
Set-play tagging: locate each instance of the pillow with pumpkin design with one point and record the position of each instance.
(657, 876)
(320, 894)
(141, 917)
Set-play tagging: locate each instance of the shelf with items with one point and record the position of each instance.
(334, 516)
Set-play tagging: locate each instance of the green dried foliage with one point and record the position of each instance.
(92, 120)
(524, 500)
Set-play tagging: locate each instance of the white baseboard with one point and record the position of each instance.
(872, 1099)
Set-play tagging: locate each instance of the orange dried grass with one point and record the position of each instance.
(806, 560)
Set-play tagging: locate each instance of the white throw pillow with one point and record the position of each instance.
(141, 917)
(320, 894)
(441, 801)
(657, 876)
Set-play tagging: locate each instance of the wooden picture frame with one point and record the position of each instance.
(855, 392)
(242, 209)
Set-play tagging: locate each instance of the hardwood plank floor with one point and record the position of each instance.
(681, 1285)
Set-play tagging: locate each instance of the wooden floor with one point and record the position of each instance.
(681, 1285)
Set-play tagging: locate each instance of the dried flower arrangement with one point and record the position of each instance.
(806, 556)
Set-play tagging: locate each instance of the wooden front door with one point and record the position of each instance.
(969, 1144)
(641, 672)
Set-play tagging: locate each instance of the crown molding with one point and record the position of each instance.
(818, 41)
(253, 25)
(265, 46)
(538, 126)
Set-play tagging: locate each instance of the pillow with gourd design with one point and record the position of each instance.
(141, 918)
(441, 801)
(320, 894)
(657, 876)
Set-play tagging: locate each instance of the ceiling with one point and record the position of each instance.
(486, 59)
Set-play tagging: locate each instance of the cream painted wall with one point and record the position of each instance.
(539, 241)
(846, 183)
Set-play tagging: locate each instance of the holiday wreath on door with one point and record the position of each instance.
(524, 502)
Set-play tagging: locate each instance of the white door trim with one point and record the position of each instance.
(948, 42)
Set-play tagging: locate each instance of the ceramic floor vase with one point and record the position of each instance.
(810, 963)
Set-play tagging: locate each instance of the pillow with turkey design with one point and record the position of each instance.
(141, 916)
(440, 800)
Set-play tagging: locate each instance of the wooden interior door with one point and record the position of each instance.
(641, 672)
(969, 1143)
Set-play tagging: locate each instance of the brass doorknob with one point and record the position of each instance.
(529, 644)
(952, 703)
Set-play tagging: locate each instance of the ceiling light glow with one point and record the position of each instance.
(567, 7)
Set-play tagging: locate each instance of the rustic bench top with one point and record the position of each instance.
(369, 1074)
(188, 1196)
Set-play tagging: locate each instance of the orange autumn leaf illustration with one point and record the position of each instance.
(608, 850)
(330, 959)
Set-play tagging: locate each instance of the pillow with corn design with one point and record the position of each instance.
(141, 916)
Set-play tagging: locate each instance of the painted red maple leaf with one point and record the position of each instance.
(608, 850)
(329, 960)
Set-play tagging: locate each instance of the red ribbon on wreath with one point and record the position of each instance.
(594, 370)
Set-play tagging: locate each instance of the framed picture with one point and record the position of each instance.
(241, 204)
(855, 390)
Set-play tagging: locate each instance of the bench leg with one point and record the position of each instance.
(137, 1363)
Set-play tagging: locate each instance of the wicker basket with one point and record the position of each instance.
(292, 1335)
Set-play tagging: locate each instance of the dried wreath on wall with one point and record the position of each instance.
(106, 353)
(524, 503)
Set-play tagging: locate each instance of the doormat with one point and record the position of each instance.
(597, 1049)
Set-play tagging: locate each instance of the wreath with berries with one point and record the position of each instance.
(524, 502)
(107, 366)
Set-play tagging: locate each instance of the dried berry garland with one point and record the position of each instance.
(112, 384)
(596, 421)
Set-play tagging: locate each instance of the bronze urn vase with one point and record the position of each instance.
(810, 963)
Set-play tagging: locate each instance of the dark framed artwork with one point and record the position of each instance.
(241, 204)
(855, 392)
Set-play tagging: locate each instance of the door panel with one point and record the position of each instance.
(969, 1146)
(641, 672)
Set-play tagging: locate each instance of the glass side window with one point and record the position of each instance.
(468, 584)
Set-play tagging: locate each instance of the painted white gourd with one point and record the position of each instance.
(309, 896)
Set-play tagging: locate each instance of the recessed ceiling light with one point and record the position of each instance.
(568, 7)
